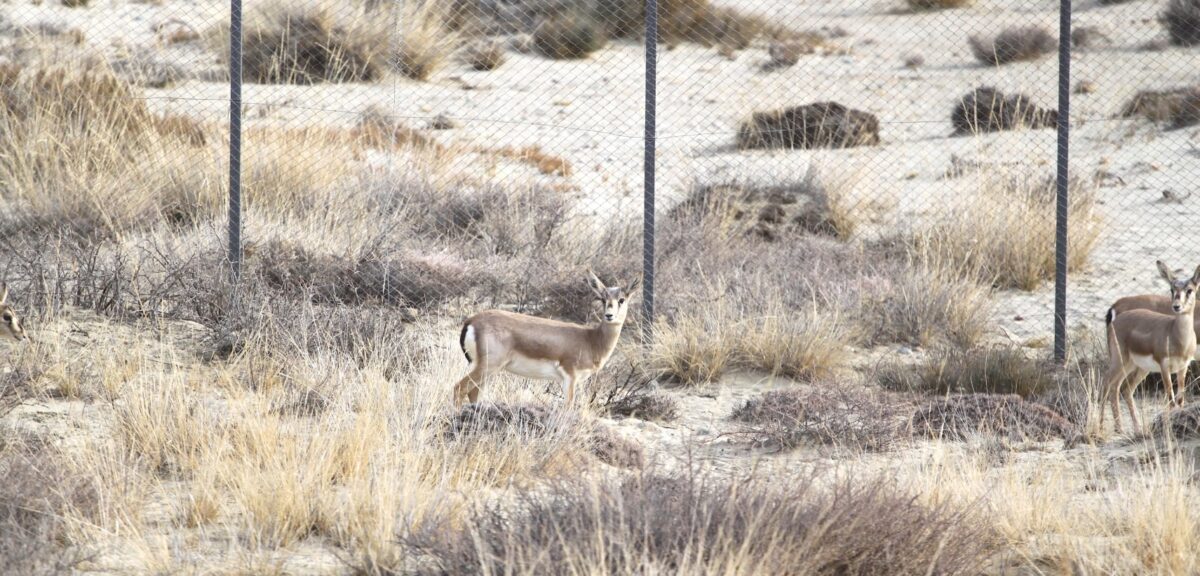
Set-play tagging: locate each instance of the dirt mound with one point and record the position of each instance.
(817, 125)
(986, 109)
(958, 417)
(1183, 423)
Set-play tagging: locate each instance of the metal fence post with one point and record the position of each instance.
(1063, 181)
(235, 138)
(650, 149)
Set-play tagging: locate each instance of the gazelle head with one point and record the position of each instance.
(8, 316)
(615, 299)
(1183, 292)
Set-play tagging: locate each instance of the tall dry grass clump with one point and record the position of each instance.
(426, 39)
(927, 306)
(1013, 45)
(1182, 21)
(720, 526)
(1004, 233)
(312, 42)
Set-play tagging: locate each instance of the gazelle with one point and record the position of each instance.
(9, 319)
(539, 348)
(1145, 341)
(1159, 303)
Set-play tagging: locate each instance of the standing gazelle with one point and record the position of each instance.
(1160, 303)
(1145, 341)
(542, 349)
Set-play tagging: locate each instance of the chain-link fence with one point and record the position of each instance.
(886, 166)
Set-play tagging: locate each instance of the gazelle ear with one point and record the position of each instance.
(1196, 276)
(629, 290)
(4, 293)
(1166, 272)
(596, 285)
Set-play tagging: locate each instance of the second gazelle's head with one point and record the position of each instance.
(614, 299)
(1183, 292)
(9, 319)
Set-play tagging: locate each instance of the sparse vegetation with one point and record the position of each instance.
(986, 109)
(963, 417)
(991, 370)
(1182, 21)
(921, 5)
(569, 37)
(485, 55)
(1179, 107)
(829, 413)
(926, 307)
(1013, 45)
(847, 528)
(1003, 235)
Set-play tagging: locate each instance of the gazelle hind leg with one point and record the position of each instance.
(1134, 382)
(469, 386)
(1110, 391)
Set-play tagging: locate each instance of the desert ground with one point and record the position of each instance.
(849, 368)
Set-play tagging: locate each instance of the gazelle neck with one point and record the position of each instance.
(605, 336)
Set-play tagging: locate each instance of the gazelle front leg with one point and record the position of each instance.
(1168, 382)
(1181, 382)
(1113, 382)
(568, 384)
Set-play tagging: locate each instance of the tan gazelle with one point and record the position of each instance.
(9, 319)
(539, 348)
(1145, 341)
(1160, 303)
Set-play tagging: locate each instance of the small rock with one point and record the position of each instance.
(915, 61)
(904, 351)
(1085, 87)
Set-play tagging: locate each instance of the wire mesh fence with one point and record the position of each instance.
(879, 172)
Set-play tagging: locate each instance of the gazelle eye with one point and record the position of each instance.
(621, 301)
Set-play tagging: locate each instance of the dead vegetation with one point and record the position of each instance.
(923, 5)
(986, 109)
(1021, 44)
(818, 125)
(829, 413)
(967, 416)
(992, 370)
(1182, 22)
(1177, 107)
(847, 528)
(1180, 424)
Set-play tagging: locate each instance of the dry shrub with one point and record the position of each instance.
(426, 40)
(625, 389)
(379, 128)
(821, 203)
(817, 125)
(793, 525)
(922, 5)
(1014, 45)
(479, 421)
(1179, 107)
(854, 417)
(37, 495)
(925, 307)
(786, 53)
(1002, 370)
(986, 109)
(75, 3)
(1182, 21)
(484, 55)
(569, 37)
(701, 345)
(310, 43)
(963, 417)
(545, 163)
(1088, 37)
(1178, 423)
(1004, 234)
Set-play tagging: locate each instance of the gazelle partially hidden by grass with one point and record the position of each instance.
(539, 348)
(9, 319)
(1144, 341)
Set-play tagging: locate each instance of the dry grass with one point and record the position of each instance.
(720, 526)
(1182, 22)
(700, 346)
(1013, 45)
(1004, 233)
(818, 125)
(311, 42)
(569, 37)
(484, 55)
(927, 307)
(1006, 416)
(923, 5)
(1179, 107)
(426, 39)
(993, 370)
(986, 109)
(829, 413)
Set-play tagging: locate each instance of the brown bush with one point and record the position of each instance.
(829, 414)
(379, 128)
(37, 493)
(484, 55)
(625, 389)
(960, 417)
(1088, 37)
(986, 109)
(697, 524)
(1180, 423)
(921, 5)
(1179, 107)
(613, 449)
(1013, 45)
(923, 307)
(1001, 370)
(1182, 21)
(570, 37)
(818, 125)
(309, 44)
